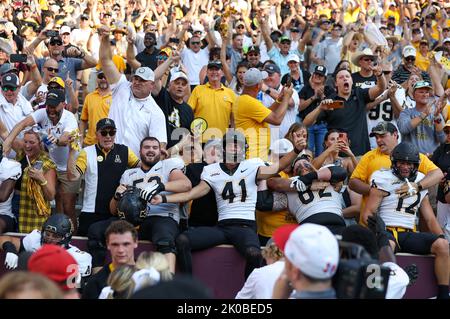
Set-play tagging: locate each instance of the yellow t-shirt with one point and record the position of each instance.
(95, 108)
(214, 106)
(267, 222)
(395, 14)
(423, 62)
(375, 160)
(249, 114)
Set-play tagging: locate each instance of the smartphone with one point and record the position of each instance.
(51, 33)
(288, 80)
(174, 40)
(343, 137)
(22, 58)
(336, 105)
(38, 165)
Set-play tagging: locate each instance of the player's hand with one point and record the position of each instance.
(119, 191)
(407, 190)
(151, 189)
(11, 260)
(318, 185)
(298, 185)
(156, 200)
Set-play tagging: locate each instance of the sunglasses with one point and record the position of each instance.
(410, 59)
(195, 43)
(162, 57)
(447, 131)
(56, 43)
(110, 133)
(240, 27)
(101, 76)
(52, 69)
(387, 72)
(9, 88)
(367, 59)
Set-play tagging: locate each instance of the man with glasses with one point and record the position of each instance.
(96, 106)
(254, 57)
(58, 124)
(366, 60)
(102, 165)
(408, 66)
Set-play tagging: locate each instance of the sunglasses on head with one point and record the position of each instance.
(9, 88)
(108, 132)
(56, 70)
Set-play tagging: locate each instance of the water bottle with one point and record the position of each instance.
(44, 138)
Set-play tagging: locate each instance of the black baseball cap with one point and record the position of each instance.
(272, 68)
(11, 80)
(215, 64)
(383, 128)
(54, 97)
(321, 70)
(253, 48)
(104, 123)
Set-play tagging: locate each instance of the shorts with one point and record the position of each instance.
(68, 187)
(413, 243)
(10, 223)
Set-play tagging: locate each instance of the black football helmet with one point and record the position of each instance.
(233, 136)
(60, 225)
(405, 152)
(132, 207)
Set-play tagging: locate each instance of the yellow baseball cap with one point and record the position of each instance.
(58, 80)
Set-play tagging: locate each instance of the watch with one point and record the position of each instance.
(267, 91)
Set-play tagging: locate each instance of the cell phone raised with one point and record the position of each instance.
(336, 105)
(288, 80)
(51, 33)
(22, 58)
(38, 165)
(343, 137)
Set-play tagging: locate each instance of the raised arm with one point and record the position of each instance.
(112, 74)
(373, 203)
(381, 83)
(198, 191)
(19, 127)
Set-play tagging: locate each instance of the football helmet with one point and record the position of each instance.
(405, 152)
(132, 207)
(60, 225)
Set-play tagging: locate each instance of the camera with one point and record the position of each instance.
(358, 275)
(51, 33)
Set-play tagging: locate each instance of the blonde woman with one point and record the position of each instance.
(120, 283)
(156, 260)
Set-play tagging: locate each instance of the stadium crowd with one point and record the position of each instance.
(195, 123)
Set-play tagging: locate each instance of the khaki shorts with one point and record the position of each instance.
(68, 187)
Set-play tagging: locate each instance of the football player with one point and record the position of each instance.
(400, 213)
(10, 172)
(57, 230)
(234, 183)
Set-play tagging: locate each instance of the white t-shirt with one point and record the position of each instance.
(398, 281)
(9, 169)
(194, 62)
(67, 123)
(135, 118)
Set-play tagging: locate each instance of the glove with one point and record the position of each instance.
(151, 189)
(11, 260)
(298, 184)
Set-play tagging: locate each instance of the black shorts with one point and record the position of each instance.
(161, 231)
(10, 223)
(413, 243)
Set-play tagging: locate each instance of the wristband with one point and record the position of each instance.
(267, 91)
(164, 198)
(9, 247)
(439, 236)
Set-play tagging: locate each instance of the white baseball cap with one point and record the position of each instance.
(64, 29)
(145, 73)
(281, 147)
(446, 40)
(179, 75)
(294, 57)
(254, 76)
(409, 50)
(314, 250)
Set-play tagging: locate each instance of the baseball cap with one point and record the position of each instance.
(64, 29)
(314, 250)
(254, 76)
(281, 235)
(320, 69)
(446, 40)
(293, 57)
(104, 123)
(10, 79)
(422, 84)
(84, 17)
(55, 263)
(179, 75)
(272, 68)
(284, 38)
(281, 147)
(5, 46)
(54, 97)
(409, 50)
(57, 80)
(145, 73)
(215, 64)
(253, 48)
(383, 128)
(7, 67)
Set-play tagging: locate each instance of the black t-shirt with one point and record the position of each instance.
(177, 115)
(360, 81)
(96, 283)
(306, 93)
(441, 158)
(351, 118)
(150, 60)
(203, 209)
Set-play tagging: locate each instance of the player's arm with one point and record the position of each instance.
(178, 182)
(432, 178)
(373, 203)
(198, 191)
(428, 215)
(11, 246)
(265, 172)
(115, 200)
(359, 186)
(6, 189)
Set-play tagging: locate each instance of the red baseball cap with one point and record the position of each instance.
(55, 263)
(281, 235)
